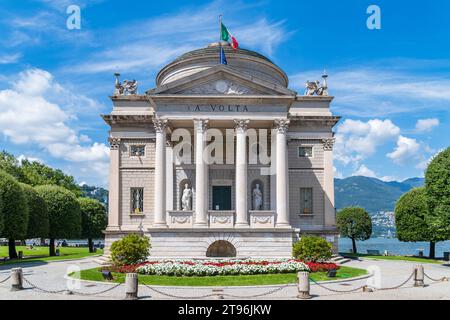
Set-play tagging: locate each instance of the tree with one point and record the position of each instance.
(15, 211)
(10, 164)
(411, 219)
(37, 174)
(93, 220)
(437, 185)
(354, 223)
(38, 222)
(64, 214)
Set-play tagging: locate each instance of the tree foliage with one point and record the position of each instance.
(312, 249)
(437, 184)
(93, 218)
(15, 209)
(411, 215)
(129, 250)
(63, 211)
(38, 221)
(36, 174)
(355, 223)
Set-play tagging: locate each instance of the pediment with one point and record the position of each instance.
(220, 80)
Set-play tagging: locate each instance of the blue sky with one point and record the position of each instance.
(391, 86)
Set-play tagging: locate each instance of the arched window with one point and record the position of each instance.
(221, 249)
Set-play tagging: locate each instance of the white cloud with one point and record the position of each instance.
(375, 91)
(407, 149)
(424, 125)
(10, 58)
(33, 112)
(31, 159)
(161, 39)
(364, 171)
(356, 140)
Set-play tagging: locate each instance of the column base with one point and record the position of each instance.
(160, 225)
(283, 226)
(242, 225)
(201, 224)
(112, 228)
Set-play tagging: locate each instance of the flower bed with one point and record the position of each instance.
(224, 267)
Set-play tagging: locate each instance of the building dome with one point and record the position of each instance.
(246, 61)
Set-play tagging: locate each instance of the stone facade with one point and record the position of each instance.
(244, 118)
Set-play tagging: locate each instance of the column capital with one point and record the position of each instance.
(114, 143)
(160, 124)
(328, 143)
(282, 125)
(201, 124)
(241, 124)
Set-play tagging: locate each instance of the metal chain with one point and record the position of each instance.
(401, 284)
(41, 289)
(95, 293)
(258, 295)
(335, 290)
(178, 297)
(69, 291)
(435, 280)
(7, 278)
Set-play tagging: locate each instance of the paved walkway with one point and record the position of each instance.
(51, 277)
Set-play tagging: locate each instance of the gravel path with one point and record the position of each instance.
(52, 277)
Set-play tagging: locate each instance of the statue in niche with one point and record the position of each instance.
(257, 198)
(186, 198)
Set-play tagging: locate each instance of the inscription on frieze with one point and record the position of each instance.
(217, 108)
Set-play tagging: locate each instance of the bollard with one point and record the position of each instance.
(131, 284)
(16, 279)
(218, 294)
(303, 285)
(367, 289)
(418, 276)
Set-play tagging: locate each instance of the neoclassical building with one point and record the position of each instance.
(221, 160)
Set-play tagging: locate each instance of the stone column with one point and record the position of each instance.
(330, 213)
(241, 173)
(201, 167)
(169, 175)
(160, 173)
(114, 185)
(282, 173)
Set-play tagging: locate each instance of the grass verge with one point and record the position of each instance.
(242, 280)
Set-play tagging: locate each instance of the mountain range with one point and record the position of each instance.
(372, 194)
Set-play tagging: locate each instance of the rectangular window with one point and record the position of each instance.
(137, 200)
(305, 152)
(306, 195)
(137, 151)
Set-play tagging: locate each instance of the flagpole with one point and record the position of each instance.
(220, 30)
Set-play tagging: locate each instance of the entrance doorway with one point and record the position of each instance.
(221, 197)
(221, 249)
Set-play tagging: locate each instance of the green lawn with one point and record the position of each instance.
(244, 280)
(397, 258)
(40, 254)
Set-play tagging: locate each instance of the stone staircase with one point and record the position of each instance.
(339, 259)
(102, 260)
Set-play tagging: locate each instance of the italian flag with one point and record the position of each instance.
(225, 35)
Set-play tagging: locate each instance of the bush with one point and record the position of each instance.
(131, 249)
(38, 221)
(312, 249)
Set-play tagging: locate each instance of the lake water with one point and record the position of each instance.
(393, 246)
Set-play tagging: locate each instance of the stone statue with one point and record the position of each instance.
(186, 198)
(314, 87)
(257, 198)
(130, 87)
(137, 201)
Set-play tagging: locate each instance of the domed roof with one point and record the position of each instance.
(244, 60)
